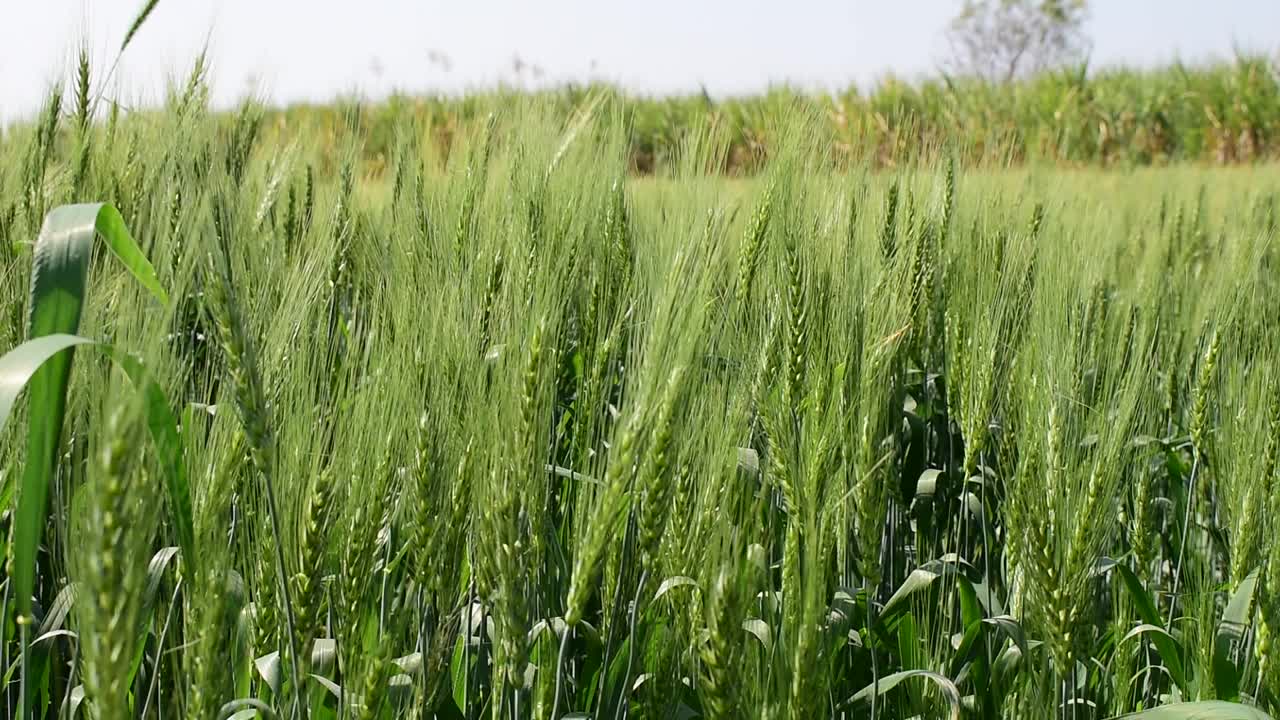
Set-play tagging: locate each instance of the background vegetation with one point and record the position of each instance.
(1213, 115)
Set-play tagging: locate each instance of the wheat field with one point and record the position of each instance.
(500, 429)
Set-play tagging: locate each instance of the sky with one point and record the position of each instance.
(287, 51)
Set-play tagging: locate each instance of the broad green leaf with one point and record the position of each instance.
(928, 482)
(53, 634)
(333, 687)
(19, 364)
(60, 270)
(1010, 662)
(617, 683)
(155, 574)
(1143, 604)
(1206, 710)
(909, 645)
(324, 653)
(889, 682)
(672, 583)
(1144, 629)
(57, 613)
(60, 264)
(760, 629)
(1169, 648)
(557, 627)
(919, 579)
(1235, 620)
(77, 697)
(242, 708)
(1008, 625)
(268, 667)
(19, 368)
(971, 617)
(409, 664)
(965, 650)
(458, 673)
(923, 578)
(399, 688)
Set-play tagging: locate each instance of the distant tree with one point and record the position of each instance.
(1005, 39)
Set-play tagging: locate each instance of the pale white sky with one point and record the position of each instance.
(289, 50)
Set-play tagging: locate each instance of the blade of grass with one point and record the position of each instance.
(944, 684)
(59, 274)
(1206, 710)
(1169, 648)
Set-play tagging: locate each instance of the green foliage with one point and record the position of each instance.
(510, 431)
(1224, 113)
